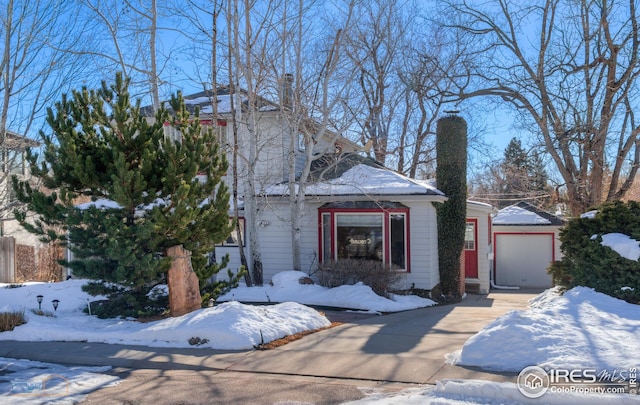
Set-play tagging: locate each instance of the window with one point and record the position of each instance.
(365, 231)
(219, 130)
(13, 161)
(233, 239)
(470, 236)
(398, 245)
(359, 236)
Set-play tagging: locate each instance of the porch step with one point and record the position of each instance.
(472, 288)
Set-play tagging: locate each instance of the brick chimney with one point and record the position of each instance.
(287, 91)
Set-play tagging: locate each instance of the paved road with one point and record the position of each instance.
(387, 352)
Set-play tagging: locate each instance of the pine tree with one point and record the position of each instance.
(523, 177)
(162, 192)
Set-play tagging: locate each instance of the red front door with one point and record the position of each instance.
(471, 249)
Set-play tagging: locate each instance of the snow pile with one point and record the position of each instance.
(230, 326)
(622, 244)
(579, 329)
(359, 296)
(33, 382)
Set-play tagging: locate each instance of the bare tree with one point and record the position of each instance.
(34, 71)
(570, 68)
(312, 97)
(131, 42)
(374, 45)
(427, 76)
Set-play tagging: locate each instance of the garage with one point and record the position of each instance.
(521, 259)
(525, 242)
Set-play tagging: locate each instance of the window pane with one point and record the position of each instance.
(398, 242)
(470, 236)
(359, 236)
(15, 162)
(326, 237)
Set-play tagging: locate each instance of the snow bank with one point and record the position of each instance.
(359, 296)
(580, 329)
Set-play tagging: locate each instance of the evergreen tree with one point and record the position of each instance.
(160, 192)
(451, 172)
(523, 177)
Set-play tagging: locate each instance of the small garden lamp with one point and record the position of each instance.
(55, 304)
(39, 298)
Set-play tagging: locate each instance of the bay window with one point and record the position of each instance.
(364, 230)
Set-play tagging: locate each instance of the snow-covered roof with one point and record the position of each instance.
(524, 213)
(363, 179)
(205, 100)
(482, 206)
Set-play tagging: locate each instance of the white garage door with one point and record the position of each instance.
(522, 260)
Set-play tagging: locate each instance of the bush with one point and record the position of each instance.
(9, 320)
(588, 263)
(123, 302)
(213, 290)
(379, 276)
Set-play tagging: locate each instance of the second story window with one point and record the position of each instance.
(13, 161)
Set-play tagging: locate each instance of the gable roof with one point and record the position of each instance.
(205, 101)
(13, 140)
(524, 213)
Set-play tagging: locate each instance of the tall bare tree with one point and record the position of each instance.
(570, 69)
(34, 71)
(126, 38)
(427, 73)
(374, 45)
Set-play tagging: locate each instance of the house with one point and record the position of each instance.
(353, 206)
(22, 256)
(525, 242)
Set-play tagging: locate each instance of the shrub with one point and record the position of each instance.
(379, 276)
(587, 262)
(9, 320)
(213, 290)
(123, 302)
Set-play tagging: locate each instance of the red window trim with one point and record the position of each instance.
(387, 230)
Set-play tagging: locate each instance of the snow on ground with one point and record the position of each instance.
(477, 392)
(285, 287)
(25, 382)
(579, 329)
(229, 326)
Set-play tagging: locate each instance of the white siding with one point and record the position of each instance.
(423, 241)
(275, 239)
(275, 242)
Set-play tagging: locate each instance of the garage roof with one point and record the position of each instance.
(524, 213)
